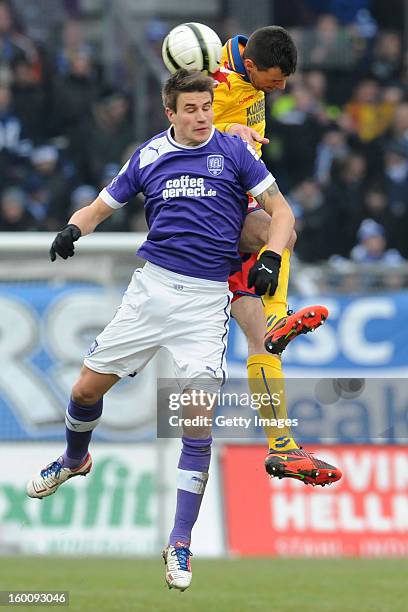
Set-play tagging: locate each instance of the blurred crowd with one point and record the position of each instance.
(64, 131)
(338, 134)
(339, 143)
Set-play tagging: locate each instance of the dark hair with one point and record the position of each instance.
(185, 81)
(272, 47)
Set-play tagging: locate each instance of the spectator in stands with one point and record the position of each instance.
(308, 203)
(386, 62)
(370, 115)
(352, 142)
(316, 82)
(399, 126)
(74, 42)
(14, 147)
(39, 204)
(29, 100)
(375, 206)
(51, 181)
(299, 129)
(102, 138)
(372, 246)
(327, 44)
(13, 44)
(41, 18)
(14, 217)
(333, 147)
(74, 93)
(396, 185)
(343, 196)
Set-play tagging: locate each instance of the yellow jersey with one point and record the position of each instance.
(235, 98)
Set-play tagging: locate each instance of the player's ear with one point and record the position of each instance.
(249, 64)
(169, 114)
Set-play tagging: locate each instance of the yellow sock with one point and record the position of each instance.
(265, 377)
(275, 306)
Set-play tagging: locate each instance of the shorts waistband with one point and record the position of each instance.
(173, 278)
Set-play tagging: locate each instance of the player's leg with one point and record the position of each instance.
(193, 468)
(283, 326)
(82, 416)
(83, 413)
(265, 378)
(199, 351)
(264, 370)
(125, 346)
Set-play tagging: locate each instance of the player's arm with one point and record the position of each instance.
(248, 134)
(264, 274)
(255, 231)
(115, 195)
(82, 222)
(89, 217)
(282, 218)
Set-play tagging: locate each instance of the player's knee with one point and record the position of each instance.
(292, 241)
(198, 433)
(84, 395)
(255, 335)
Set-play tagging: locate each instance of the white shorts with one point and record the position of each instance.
(188, 316)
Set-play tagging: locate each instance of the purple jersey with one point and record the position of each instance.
(195, 200)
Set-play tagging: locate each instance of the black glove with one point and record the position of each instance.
(265, 273)
(64, 242)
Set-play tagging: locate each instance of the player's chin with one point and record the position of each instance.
(202, 134)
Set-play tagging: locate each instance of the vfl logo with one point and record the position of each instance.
(215, 164)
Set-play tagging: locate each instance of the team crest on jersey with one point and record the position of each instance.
(215, 164)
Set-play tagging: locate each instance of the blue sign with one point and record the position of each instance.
(365, 334)
(46, 329)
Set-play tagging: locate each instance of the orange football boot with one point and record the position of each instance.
(283, 331)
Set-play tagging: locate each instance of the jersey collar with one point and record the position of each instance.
(180, 146)
(234, 56)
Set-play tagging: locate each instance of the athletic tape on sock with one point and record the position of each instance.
(76, 425)
(194, 482)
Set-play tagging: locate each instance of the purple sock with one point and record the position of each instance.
(80, 421)
(192, 479)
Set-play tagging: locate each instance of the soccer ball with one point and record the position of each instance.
(193, 46)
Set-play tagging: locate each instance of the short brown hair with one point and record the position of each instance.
(185, 81)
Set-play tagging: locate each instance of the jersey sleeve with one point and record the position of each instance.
(124, 185)
(254, 175)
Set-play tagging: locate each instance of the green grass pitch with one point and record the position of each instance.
(238, 585)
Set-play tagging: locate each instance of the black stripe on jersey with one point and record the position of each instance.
(203, 46)
(170, 57)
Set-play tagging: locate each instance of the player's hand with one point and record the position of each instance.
(248, 134)
(64, 242)
(264, 274)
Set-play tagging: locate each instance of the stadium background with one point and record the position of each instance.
(79, 89)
